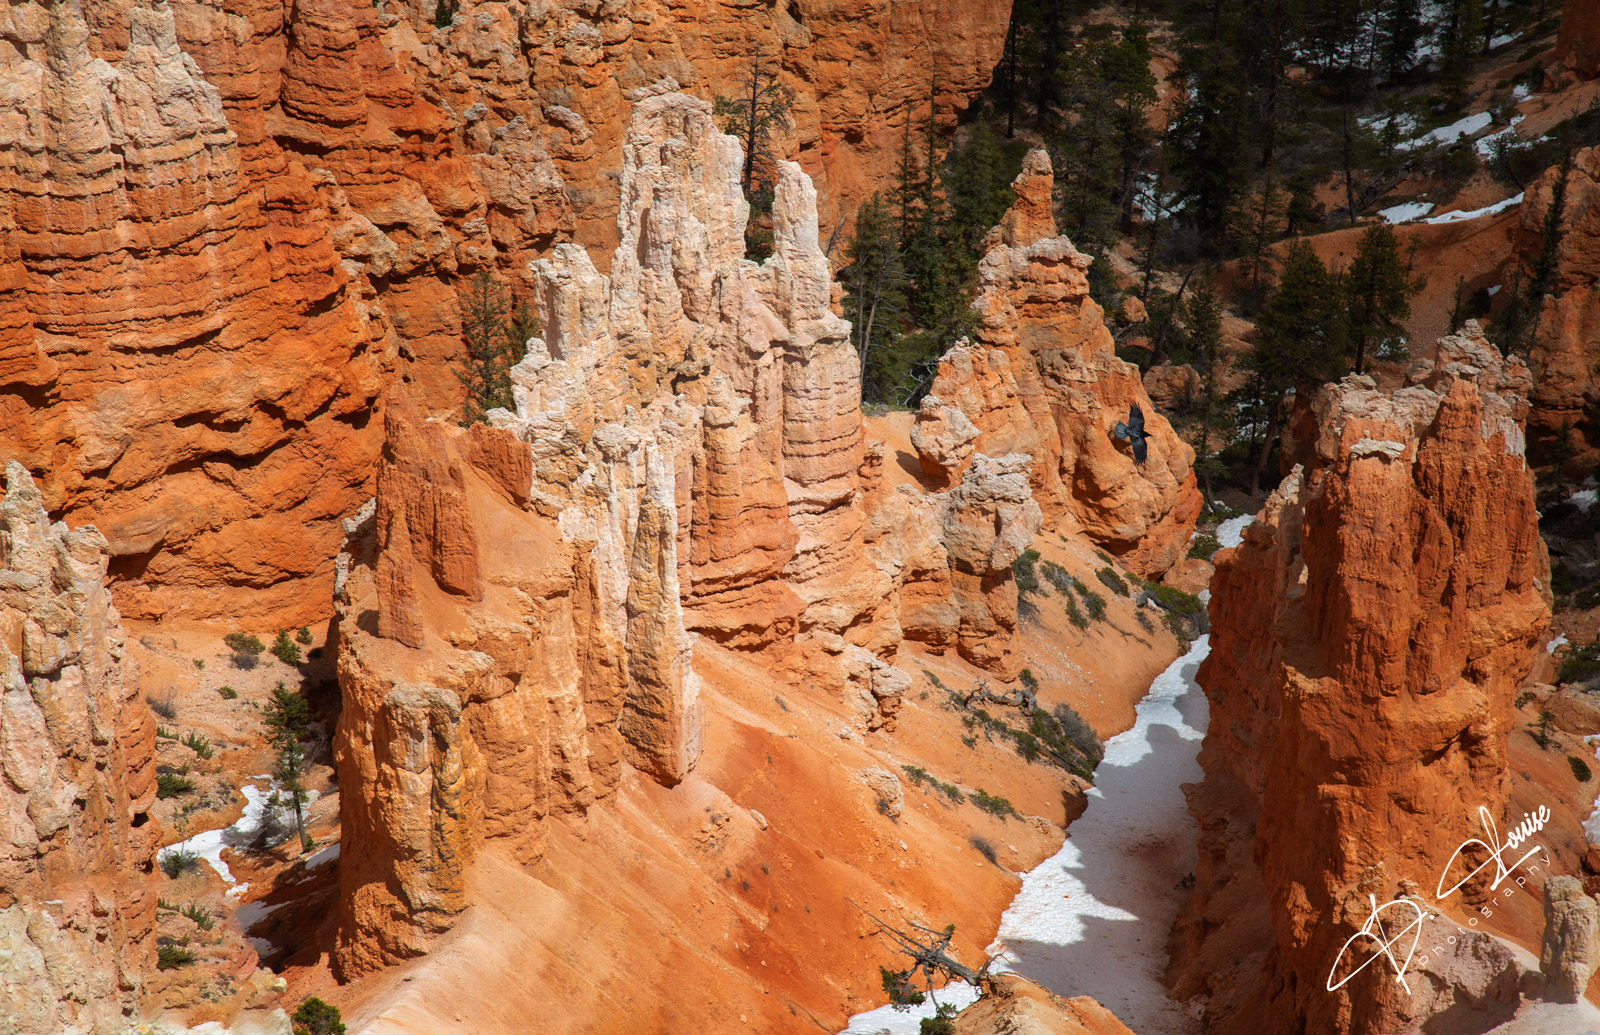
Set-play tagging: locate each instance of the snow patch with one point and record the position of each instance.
(1485, 142)
(1559, 641)
(1591, 826)
(1583, 499)
(1464, 127)
(1092, 919)
(1477, 213)
(208, 845)
(1406, 212)
(886, 1020)
(1231, 531)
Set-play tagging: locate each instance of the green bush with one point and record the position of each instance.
(170, 785)
(315, 1017)
(920, 776)
(285, 649)
(228, 693)
(943, 1021)
(1580, 769)
(1023, 572)
(1581, 664)
(198, 744)
(1074, 614)
(244, 643)
(200, 915)
(1094, 602)
(175, 861)
(1203, 548)
(993, 804)
(303, 636)
(1112, 581)
(171, 957)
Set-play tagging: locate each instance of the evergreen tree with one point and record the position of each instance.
(1378, 292)
(758, 108)
(1458, 44)
(1401, 32)
(496, 337)
(286, 717)
(1210, 138)
(1204, 317)
(875, 300)
(1300, 340)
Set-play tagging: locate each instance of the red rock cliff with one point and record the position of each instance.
(519, 609)
(1367, 640)
(1042, 379)
(78, 754)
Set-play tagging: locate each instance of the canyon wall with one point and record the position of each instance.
(77, 745)
(1564, 340)
(1367, 640)
(238, 221)
(1042, 378)
(519, 607)
(1578, 42)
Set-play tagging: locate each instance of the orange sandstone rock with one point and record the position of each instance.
(79, 761)
(1042, 379)
(1578, 42)
(1367, 640)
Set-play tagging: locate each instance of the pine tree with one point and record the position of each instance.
(1458, 44)
(485, 373)
(1378, 292)
(875, 301)
(1204, 318)
(1301, 340)
(1401, 32)
(286, 717)
(758, 108)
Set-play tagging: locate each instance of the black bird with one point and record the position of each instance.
(1133, 433)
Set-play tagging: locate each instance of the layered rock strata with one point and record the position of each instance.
(183, 359)
(77, 745)
(267, 207)
(686, 458)
(1042, 379)
(1368, 638)
(1563, 347)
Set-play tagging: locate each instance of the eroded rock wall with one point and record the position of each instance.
(1578, 42)
(238, 221)
(77, 745)
(1042, 379)
(1566, 338)
(1368, 638)
(519, 607)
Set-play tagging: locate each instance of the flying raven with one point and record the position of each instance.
(1133, 433)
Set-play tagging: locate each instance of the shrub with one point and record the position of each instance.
(285, 649)
(171, 957)
(993, 804)
(1074, 614)
(920, 776)
(163, 706)
(244, 643)
(943, 1021)
(162, 733)
(984, 848)
(897, 986)
(1581, 664)
(200, 663)
(200, 915)
(1203, 548)
(1580, 769)
(1023, 572)
(315, 1017)
(170, 785)
(198, 744)
(1112, 581)
(228, 693)
(1077, 732)
(1026, 678)
(245, 662)
(175, 861)
(303, 636)
(1094, 602)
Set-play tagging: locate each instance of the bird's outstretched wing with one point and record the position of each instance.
(1135, 419)
(1120, 430)
(1140, 450)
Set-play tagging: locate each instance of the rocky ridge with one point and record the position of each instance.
(1367, 640)
(686, 460)
(1042, 379)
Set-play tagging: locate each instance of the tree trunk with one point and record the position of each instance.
(1266, 445)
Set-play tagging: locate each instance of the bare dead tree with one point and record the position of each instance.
(931, 955)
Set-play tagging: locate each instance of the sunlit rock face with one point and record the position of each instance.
(1368, 638)
(1042, 379)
